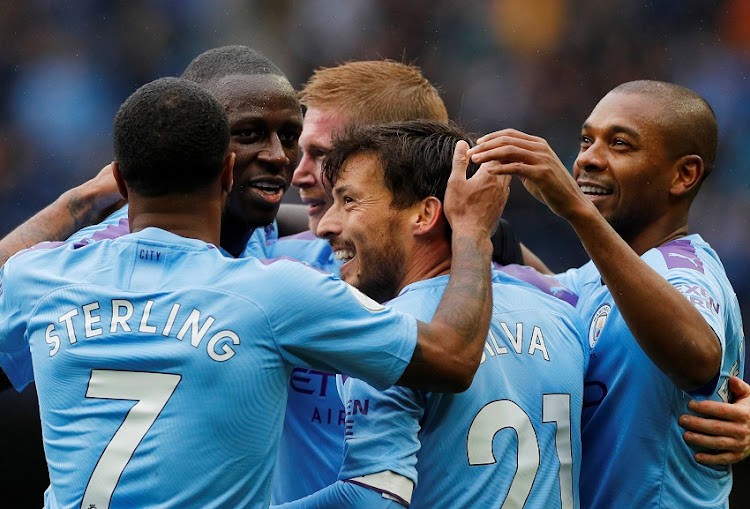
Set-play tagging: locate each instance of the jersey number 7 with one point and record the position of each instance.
(151, 391)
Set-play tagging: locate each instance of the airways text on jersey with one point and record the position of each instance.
(123, 318)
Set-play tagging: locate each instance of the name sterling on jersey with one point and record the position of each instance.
(122, 319)
(535, 342)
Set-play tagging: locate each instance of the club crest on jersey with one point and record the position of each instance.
(366, 301)
(597, 323)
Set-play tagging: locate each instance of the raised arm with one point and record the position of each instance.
(76, 208)
(450, 346)
(687, 350)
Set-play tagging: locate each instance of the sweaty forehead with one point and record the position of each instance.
(634, 112)
(258, 94)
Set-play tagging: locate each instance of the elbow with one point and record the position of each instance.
(461, 377)
(704, 369)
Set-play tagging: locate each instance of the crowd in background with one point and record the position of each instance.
(65, 66)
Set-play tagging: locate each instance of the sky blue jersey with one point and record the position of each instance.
(311, 447)
(634, 454)
(512, 438)
(162, 366)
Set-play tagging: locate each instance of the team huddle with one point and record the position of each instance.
(390, 344)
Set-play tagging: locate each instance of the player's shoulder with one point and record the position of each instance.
(688, 256)
(530, 287)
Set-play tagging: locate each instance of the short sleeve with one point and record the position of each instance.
(330, 325)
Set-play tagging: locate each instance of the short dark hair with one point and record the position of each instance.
(688, 121)
(224, 61)
(416, 156)
(170, 137)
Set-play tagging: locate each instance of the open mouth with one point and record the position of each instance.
(343, 254)
(269, 191)
(593, 191)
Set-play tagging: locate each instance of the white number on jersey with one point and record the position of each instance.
(502, 414)
(151, 391)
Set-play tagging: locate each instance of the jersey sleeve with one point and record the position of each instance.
(330, 325)
(701, 281)
(15, 356)
(342, 495)
(381, 429)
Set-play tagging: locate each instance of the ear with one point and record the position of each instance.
(428, 216)
(120, 181)
(227, 174)
(688, 175)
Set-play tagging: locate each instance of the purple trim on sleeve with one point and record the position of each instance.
(112, 231)
(47, 245)
(306, 235)
(546, 283)
(680, 254)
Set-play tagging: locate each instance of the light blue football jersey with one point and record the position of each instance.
(512, 438)
(162, 366)
(116, 225)
(311, 447)
(633, 451)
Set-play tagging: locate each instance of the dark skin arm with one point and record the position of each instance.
(686, 350)
(722, 428)
(449, 348)
(76, 208)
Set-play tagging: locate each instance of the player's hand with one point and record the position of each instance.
(722, 428)
(511, 152)
(477, 202)
(97, 197)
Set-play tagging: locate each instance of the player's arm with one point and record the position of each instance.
(721, 428)
(81, 206)
(532, 260)
(450, 346)
(687, 350)
(292, 218)
(342, 495)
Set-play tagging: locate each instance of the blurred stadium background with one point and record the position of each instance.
(539, 66)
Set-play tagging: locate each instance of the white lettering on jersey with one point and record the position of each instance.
(516, 341)
(219, 346)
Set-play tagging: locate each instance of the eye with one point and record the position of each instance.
(585, 141)
(249, 135)
(289, 138)
(347, 199)
(619, 142)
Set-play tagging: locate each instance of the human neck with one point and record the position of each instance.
(190, 215)
(429, 259)
(656, 234)
(235, 235)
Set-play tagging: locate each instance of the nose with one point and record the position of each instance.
(329, 225)
(273, 152)
(306, 172)
(592, 158)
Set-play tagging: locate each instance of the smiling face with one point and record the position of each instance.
(315, 143)
(623, 165)
(265, 121)
(365, 230)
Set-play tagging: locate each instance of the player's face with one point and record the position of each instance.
(623, 162)
(365, 231)
(265, 121)
(314, 144)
